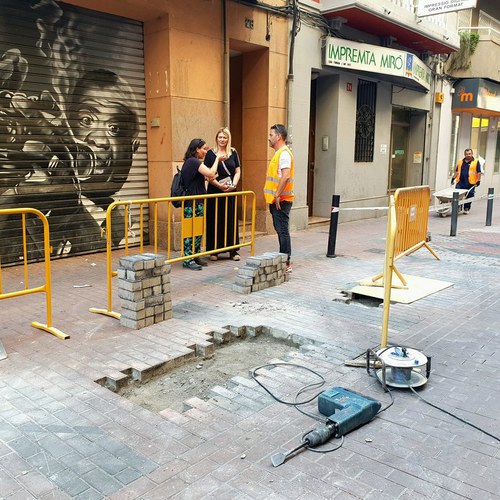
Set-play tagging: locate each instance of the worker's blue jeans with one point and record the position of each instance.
(281, 222)
(470, 194)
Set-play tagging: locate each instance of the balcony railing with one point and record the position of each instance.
(485, 32)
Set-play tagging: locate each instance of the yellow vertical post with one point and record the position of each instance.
(48, 281)
(388, 269)
(109, 267)
(235, 219)
(254, 214)
(155, 225)
(126, 227)
(25, 252)
(141, 226)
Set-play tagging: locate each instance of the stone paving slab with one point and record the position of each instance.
(63, 435)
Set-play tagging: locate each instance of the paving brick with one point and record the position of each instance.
(101, 481)
(416, 452)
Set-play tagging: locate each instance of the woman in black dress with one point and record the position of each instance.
(193, 173)
(223, 232)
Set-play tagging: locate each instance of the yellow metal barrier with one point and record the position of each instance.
(47, 287)
(388, 269)
(412, 214)
(190, 228)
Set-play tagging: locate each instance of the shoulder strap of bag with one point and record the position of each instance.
(225, 168)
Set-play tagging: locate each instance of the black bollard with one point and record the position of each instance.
(454, 214)
(334, 222)
(489, 207)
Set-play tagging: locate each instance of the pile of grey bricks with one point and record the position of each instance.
(144, 290)
(261, 272)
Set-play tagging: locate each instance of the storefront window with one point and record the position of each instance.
(479, 136)
(496, 168)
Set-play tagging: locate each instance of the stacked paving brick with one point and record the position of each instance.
(144, 290)
(261, 272)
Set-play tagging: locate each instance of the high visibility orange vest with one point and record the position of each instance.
(473, 172)
(272, 178)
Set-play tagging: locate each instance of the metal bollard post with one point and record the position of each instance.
(489, 207)
(454, 214)
(334, 222)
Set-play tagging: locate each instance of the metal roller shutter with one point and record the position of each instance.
(72, 123)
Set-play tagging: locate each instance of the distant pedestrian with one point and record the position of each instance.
(278, 190)
(468, 175)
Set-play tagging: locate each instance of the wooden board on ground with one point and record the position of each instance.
(418, 288)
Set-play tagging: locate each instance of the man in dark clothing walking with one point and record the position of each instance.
(468, 175)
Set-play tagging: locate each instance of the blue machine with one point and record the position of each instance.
(346, 409)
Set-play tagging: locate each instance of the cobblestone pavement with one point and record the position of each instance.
(63, 434)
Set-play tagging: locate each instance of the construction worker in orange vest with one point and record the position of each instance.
(278, 190)
(468, 175)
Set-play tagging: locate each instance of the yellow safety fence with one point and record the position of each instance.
(45, 288)
(412, 214)
(191, 227)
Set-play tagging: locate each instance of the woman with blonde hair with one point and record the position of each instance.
(222, 231)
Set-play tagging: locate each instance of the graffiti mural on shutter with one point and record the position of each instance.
(72, 124)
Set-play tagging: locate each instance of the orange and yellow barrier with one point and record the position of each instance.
(45, 288)
(190, 227)
(411, 206)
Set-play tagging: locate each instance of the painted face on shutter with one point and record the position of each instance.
(108, 127)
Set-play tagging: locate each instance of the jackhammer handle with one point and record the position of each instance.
(320, 435)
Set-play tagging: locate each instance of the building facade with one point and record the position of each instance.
(474, 73)
(99, 101)
(368, 104)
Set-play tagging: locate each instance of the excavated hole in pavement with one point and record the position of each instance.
(366, 301)
(195, 378)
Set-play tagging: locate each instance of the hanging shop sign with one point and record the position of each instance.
(477, 96)
(433, 7)
(365, 57)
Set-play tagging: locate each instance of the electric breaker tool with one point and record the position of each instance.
(345, 411)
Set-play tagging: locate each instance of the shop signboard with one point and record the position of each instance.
(434, 7)
(347, 54)
(477, 94)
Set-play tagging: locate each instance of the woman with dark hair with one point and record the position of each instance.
(222, 231)
(193, 175)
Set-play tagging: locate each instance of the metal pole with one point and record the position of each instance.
(454, 214)
(334, 222)
(489, 207)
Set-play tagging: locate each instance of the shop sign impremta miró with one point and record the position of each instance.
(365, 57)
